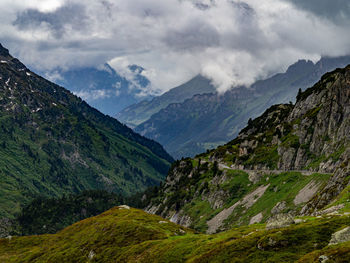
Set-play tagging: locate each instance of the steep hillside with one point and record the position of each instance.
(49, 215)
(129, 235)
(103, 88)
(142, 111)
(53, 143)
(294, 159)
(208, 120)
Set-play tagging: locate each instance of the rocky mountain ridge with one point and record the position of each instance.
(142, 111)
(208, 120)
(291, 160)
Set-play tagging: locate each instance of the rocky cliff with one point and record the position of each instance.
(293, 159)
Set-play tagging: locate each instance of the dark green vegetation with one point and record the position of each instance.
(207, 120)
(45, 215)
(142, 111)
(122, 235)
(48, 215)
(53, 143)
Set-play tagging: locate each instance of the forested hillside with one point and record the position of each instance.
(53, 143)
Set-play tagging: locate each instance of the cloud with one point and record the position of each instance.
(71, 15)
(94, 94)
(233, 42)
(336, 10)
(53, 76)
(195, 36)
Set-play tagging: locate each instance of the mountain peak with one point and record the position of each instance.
(136, 69)
(3, 51)
(300, 66)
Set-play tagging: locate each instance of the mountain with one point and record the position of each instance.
(292, 161)
(102, 87)
(142, 111)
(277, 193)
(205, 121)
(53, 143)
(130, 235)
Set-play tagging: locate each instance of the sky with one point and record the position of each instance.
(232, 42)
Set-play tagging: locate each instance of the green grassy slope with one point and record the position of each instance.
(209, 191)
(122, 235)
(53, 143)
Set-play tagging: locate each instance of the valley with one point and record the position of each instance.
(262, 197)
(205, 119)
(175, 131)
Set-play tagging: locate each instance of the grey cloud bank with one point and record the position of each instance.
(231, 42)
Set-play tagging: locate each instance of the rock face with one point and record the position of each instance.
(217, 221)
(340, 236)
(5, 227)
(278, 208)
(256, 219)
(306, 143)
(306, 193)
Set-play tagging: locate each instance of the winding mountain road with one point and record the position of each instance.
(303, 172)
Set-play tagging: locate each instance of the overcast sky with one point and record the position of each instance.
(232, 42)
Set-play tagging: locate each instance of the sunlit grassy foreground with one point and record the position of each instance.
(131, 235)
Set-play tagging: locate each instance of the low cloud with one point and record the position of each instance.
(337, 11)
(94, 94)
(233, 42)
(68, 17)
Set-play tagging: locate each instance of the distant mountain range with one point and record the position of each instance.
(204, 119)
(102, 87)
(53, 143)
(138, 113)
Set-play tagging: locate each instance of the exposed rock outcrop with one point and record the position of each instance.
(279, 221)
(340, 236)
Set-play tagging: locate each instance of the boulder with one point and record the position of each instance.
(278, 208)
(340, 236)
(279, 221)
(323, 259)
(124, 207)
